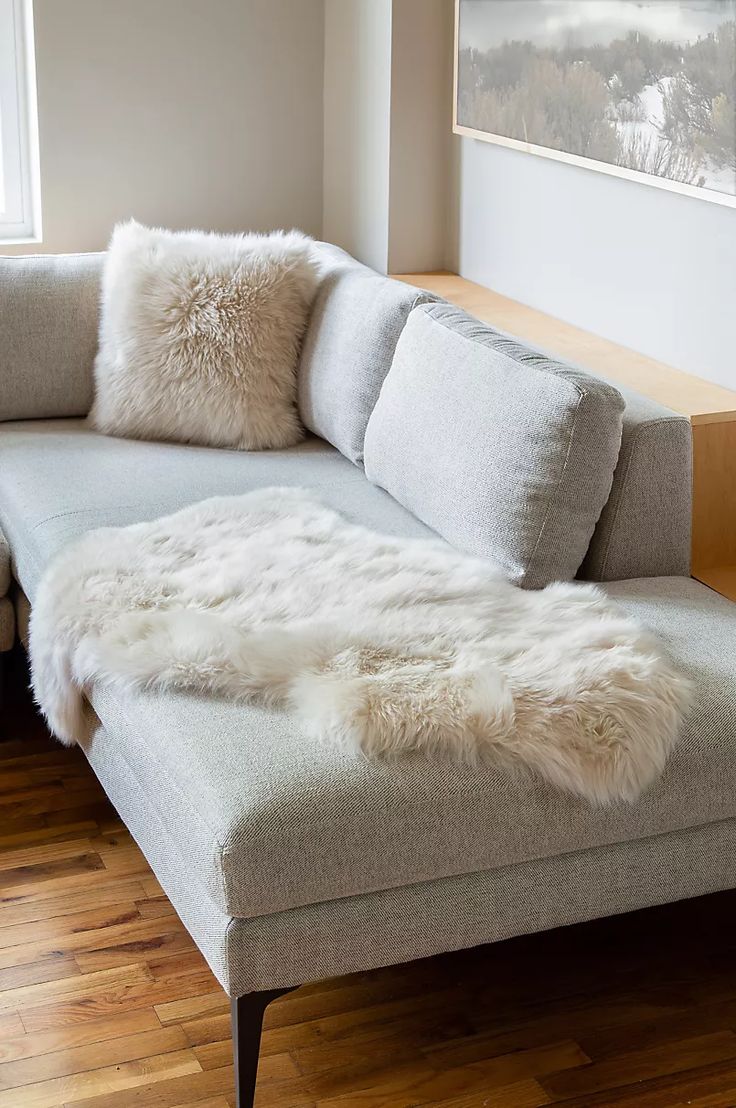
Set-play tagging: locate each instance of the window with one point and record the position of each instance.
(19, 199)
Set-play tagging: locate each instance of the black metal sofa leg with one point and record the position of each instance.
(247, 1021)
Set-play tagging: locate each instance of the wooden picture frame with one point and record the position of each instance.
(683, 189)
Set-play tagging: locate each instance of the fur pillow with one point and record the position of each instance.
(200, 335)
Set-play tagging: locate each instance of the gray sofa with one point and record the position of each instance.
(290, 861)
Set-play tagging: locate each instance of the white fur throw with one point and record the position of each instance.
(199, 336)
(381, 643)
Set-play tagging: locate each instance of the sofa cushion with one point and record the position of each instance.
(356, 321)
(644, 529)
(48, 321)
(59, 478)
(200, 335)
(505, 460)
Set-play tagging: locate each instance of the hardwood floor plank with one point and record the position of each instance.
(10, 1027)
(640, 1065)
(48, 871)
(274, 1067)
(80, 1086)
(20, 1045)
(56, 928)
(417, 1083)
(52, 968)
(150, 933)
(26, 909)
(96, 1003)
(28, 997)
(45, 834)
(168, 1093)
(43, 853)
(177, 1011)
(93, 1056)
(522, 1094)
(163, 943)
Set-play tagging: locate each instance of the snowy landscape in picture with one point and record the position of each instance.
(646, 85)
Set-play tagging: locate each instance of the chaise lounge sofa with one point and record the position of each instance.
(290, 861)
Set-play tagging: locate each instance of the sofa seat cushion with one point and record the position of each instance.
(59, 478)
(267, 819)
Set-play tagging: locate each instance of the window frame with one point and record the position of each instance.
(20, 209)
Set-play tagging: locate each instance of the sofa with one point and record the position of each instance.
(288, 860)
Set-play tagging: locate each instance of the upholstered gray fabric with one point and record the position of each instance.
(275, 820)
(355, 324)
(644, 529)
(507, 460)
(395, 925)
(4, 565)
(7, 623)
(60, 478)
(48, 323)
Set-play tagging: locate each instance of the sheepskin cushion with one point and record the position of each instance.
(200, 336)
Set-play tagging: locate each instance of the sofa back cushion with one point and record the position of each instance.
(356, 321)
(49, 307)
(506, 460)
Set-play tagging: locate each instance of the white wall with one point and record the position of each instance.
(357, 127)
(387, 130)
(185, 113)
(643, 267)
(421, 134)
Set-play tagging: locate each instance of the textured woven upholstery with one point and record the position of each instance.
(289, 860)
(58, 478)
(48, 323)
(355, 324)
(274, 820)
(506, 460)
(414, 921)
(644, 529)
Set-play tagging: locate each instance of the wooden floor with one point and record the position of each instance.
(106, 1003)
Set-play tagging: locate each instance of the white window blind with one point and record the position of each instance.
(19, 199)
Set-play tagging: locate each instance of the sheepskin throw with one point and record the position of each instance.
(378, 643)
(200, 336)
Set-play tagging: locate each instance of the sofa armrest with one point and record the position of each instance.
(645, 528)
(49, 305)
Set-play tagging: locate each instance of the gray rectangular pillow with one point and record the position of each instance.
(355, 323)
(49, 310)
(506, 457)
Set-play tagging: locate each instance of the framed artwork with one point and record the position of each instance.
(641, 89)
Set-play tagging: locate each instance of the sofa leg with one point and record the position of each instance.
(247, 1021)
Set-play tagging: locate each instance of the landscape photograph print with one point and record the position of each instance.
(643, 89)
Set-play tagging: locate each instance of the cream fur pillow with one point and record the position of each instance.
(200, 335)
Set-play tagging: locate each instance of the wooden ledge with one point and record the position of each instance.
(701, 401)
